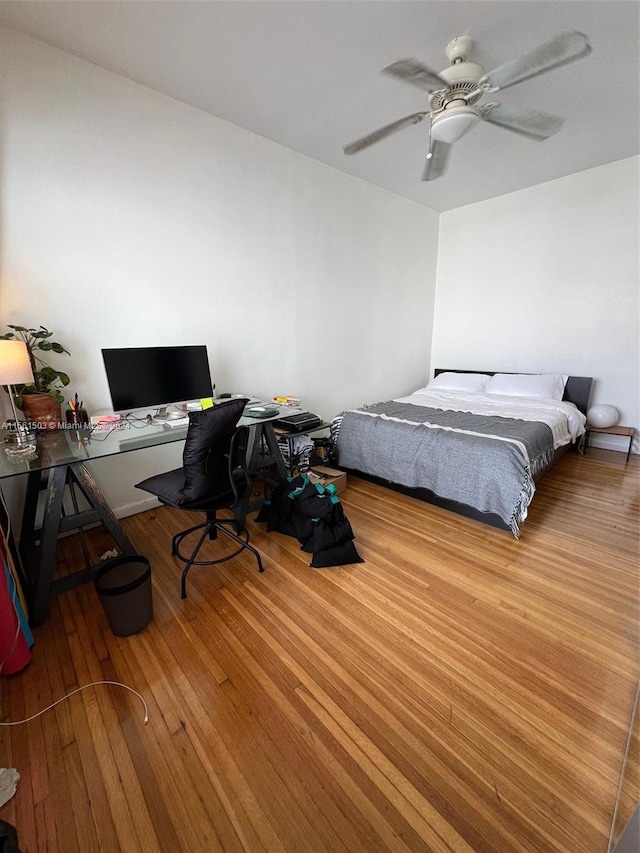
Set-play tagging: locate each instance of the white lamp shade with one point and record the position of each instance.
(15, 367)
(602, 416)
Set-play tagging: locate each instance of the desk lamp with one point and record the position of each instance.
(15, 368)
(602, 416)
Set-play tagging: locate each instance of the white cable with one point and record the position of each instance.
(627, 750)
(77, 690)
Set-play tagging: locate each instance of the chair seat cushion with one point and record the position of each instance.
(169, 488)
(203, 481)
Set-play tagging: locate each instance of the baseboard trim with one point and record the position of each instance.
(134, 508)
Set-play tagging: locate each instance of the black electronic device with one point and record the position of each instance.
(301, 422)
(157, 377)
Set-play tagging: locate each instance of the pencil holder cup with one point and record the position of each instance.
(77, 417)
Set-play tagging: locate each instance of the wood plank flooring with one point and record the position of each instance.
(457, 691)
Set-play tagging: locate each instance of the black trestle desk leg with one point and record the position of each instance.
(27, 544)
(55, 523)
(272, 444)
(106, 515)
(48, 540)
(257, 462)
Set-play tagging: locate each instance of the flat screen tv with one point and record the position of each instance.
(157, 377)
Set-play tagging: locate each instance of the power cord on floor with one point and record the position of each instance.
(77, 690)
(623, 769)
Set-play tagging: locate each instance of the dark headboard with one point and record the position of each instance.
(576, 391)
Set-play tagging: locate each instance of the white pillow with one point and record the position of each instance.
(547, 385)
(460, 381)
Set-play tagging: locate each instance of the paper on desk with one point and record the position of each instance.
(8, 783)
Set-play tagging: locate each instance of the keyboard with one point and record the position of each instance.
(174, 422)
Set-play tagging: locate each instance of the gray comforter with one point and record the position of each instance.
(485, 462)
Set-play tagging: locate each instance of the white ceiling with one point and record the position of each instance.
(305, 73)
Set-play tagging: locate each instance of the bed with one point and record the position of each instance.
(474, 442)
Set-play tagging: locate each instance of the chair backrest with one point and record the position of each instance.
(204, 459)
(239, 464)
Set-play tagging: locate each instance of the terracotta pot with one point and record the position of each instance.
(42, 411)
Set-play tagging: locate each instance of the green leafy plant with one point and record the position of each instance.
(46, 379)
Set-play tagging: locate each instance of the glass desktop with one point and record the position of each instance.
(68, 445)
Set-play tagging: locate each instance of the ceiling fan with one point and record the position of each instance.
(454, 96)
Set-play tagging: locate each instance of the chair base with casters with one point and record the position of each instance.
(214, 476)
(210, 529)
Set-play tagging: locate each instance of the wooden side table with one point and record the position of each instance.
(627, 431)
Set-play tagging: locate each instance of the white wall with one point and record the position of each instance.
(131, 219)
(546, 280)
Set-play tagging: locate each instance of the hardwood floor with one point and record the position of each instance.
(459, 690)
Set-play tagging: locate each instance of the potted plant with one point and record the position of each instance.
(41, 400)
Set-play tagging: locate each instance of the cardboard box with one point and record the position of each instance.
(328, 477)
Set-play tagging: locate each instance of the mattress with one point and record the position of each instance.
(483, 451)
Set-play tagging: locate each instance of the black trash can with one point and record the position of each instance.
(123, 585)
(8, 838)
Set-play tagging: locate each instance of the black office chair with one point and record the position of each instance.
(213, 476)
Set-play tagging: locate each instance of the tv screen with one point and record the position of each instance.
(141, 377)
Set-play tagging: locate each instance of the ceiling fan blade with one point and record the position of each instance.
(385, 131)
(564, 48)
(412, 71)
(527, 122)
(436, 165)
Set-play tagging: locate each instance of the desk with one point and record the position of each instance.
(59, 463)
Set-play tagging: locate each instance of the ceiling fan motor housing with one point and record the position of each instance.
(452, 113)
(463, 72)
(463, 81)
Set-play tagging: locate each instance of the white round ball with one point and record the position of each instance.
(602, 416)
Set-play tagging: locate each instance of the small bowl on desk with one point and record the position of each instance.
(20, 444)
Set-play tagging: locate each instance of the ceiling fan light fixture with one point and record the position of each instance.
(453, 123)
